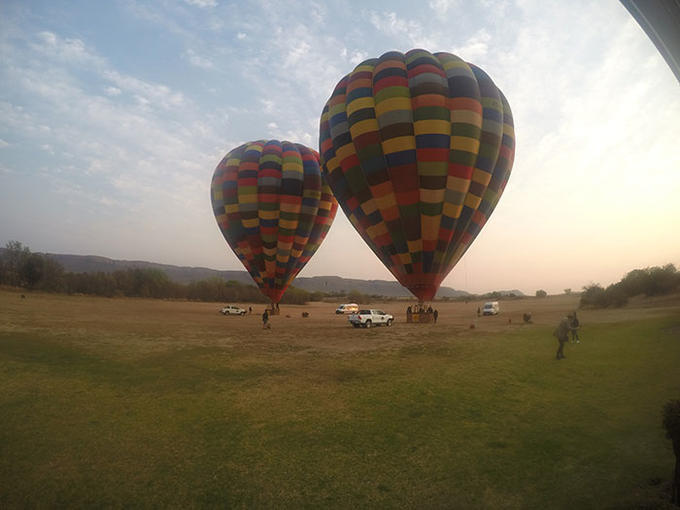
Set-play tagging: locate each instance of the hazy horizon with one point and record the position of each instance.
(116, 114)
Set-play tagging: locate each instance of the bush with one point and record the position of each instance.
(541, 293)
(651, 281)
(594, 296)
(671, 422)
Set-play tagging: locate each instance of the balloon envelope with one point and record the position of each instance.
(417, 148)
(274, 209)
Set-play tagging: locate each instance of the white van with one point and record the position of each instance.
(347, 308)
(491, 308)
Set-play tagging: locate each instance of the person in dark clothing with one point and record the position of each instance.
(575, 324)
(562, 335)
(265, 318)
(435, 314)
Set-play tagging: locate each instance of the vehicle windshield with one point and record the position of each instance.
(364, 312)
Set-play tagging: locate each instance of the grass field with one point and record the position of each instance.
(126, 402)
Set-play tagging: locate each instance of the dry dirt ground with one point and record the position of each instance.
(158, 325)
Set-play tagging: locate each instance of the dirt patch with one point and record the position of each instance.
(148, 326)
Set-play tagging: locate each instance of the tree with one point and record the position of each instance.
(593, 295)
(567, 292)
(52, 275)
(32, 270)
(541, 293)
(671, 422)
(14, 257)
(355, 296)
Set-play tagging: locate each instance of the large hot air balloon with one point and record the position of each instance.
(274, 208)
(417, 149)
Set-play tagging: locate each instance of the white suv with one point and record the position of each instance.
(232, 310)
(491, 308)
(347, 308)
(369, 318)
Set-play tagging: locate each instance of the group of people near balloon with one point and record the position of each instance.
(416, 148)
(421, 313)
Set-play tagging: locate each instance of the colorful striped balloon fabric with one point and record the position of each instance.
(417, 148)
(274, 208)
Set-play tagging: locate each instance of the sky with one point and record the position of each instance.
(114, 115)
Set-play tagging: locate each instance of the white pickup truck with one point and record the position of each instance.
(369, 318)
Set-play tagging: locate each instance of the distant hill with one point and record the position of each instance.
(179, 274)
(185, 274)
(371, 287)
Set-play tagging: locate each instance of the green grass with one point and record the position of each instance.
(471, 420)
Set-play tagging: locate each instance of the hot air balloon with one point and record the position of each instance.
(417, 148)
(274, 209)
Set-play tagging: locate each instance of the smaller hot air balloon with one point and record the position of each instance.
(274, 209)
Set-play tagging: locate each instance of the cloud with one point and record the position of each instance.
(3, 143)
(65, 49)
(295, 54)
(475, 48)
(390, 23)
(240, 36)
(197, 60)
(267, 105)
(146, 92)
(202, 3)
(442, 6)
(160, 144)
(358, 57)
(401, 29)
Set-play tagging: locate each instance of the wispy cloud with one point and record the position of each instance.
(475, 48)
(197, 60)
(65, 49)
(202, 3)
(442, 6)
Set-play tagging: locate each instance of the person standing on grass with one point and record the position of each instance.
(562, 334)
(435, 314)
(575, 324)
(265, 318)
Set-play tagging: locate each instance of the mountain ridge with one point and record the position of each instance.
(190, 274)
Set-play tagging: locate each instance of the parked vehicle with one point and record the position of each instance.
(491, 308)
(232, 310)
(370, 318)
(347, 308)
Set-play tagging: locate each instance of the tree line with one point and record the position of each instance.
(19, 267)
(651, 281)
